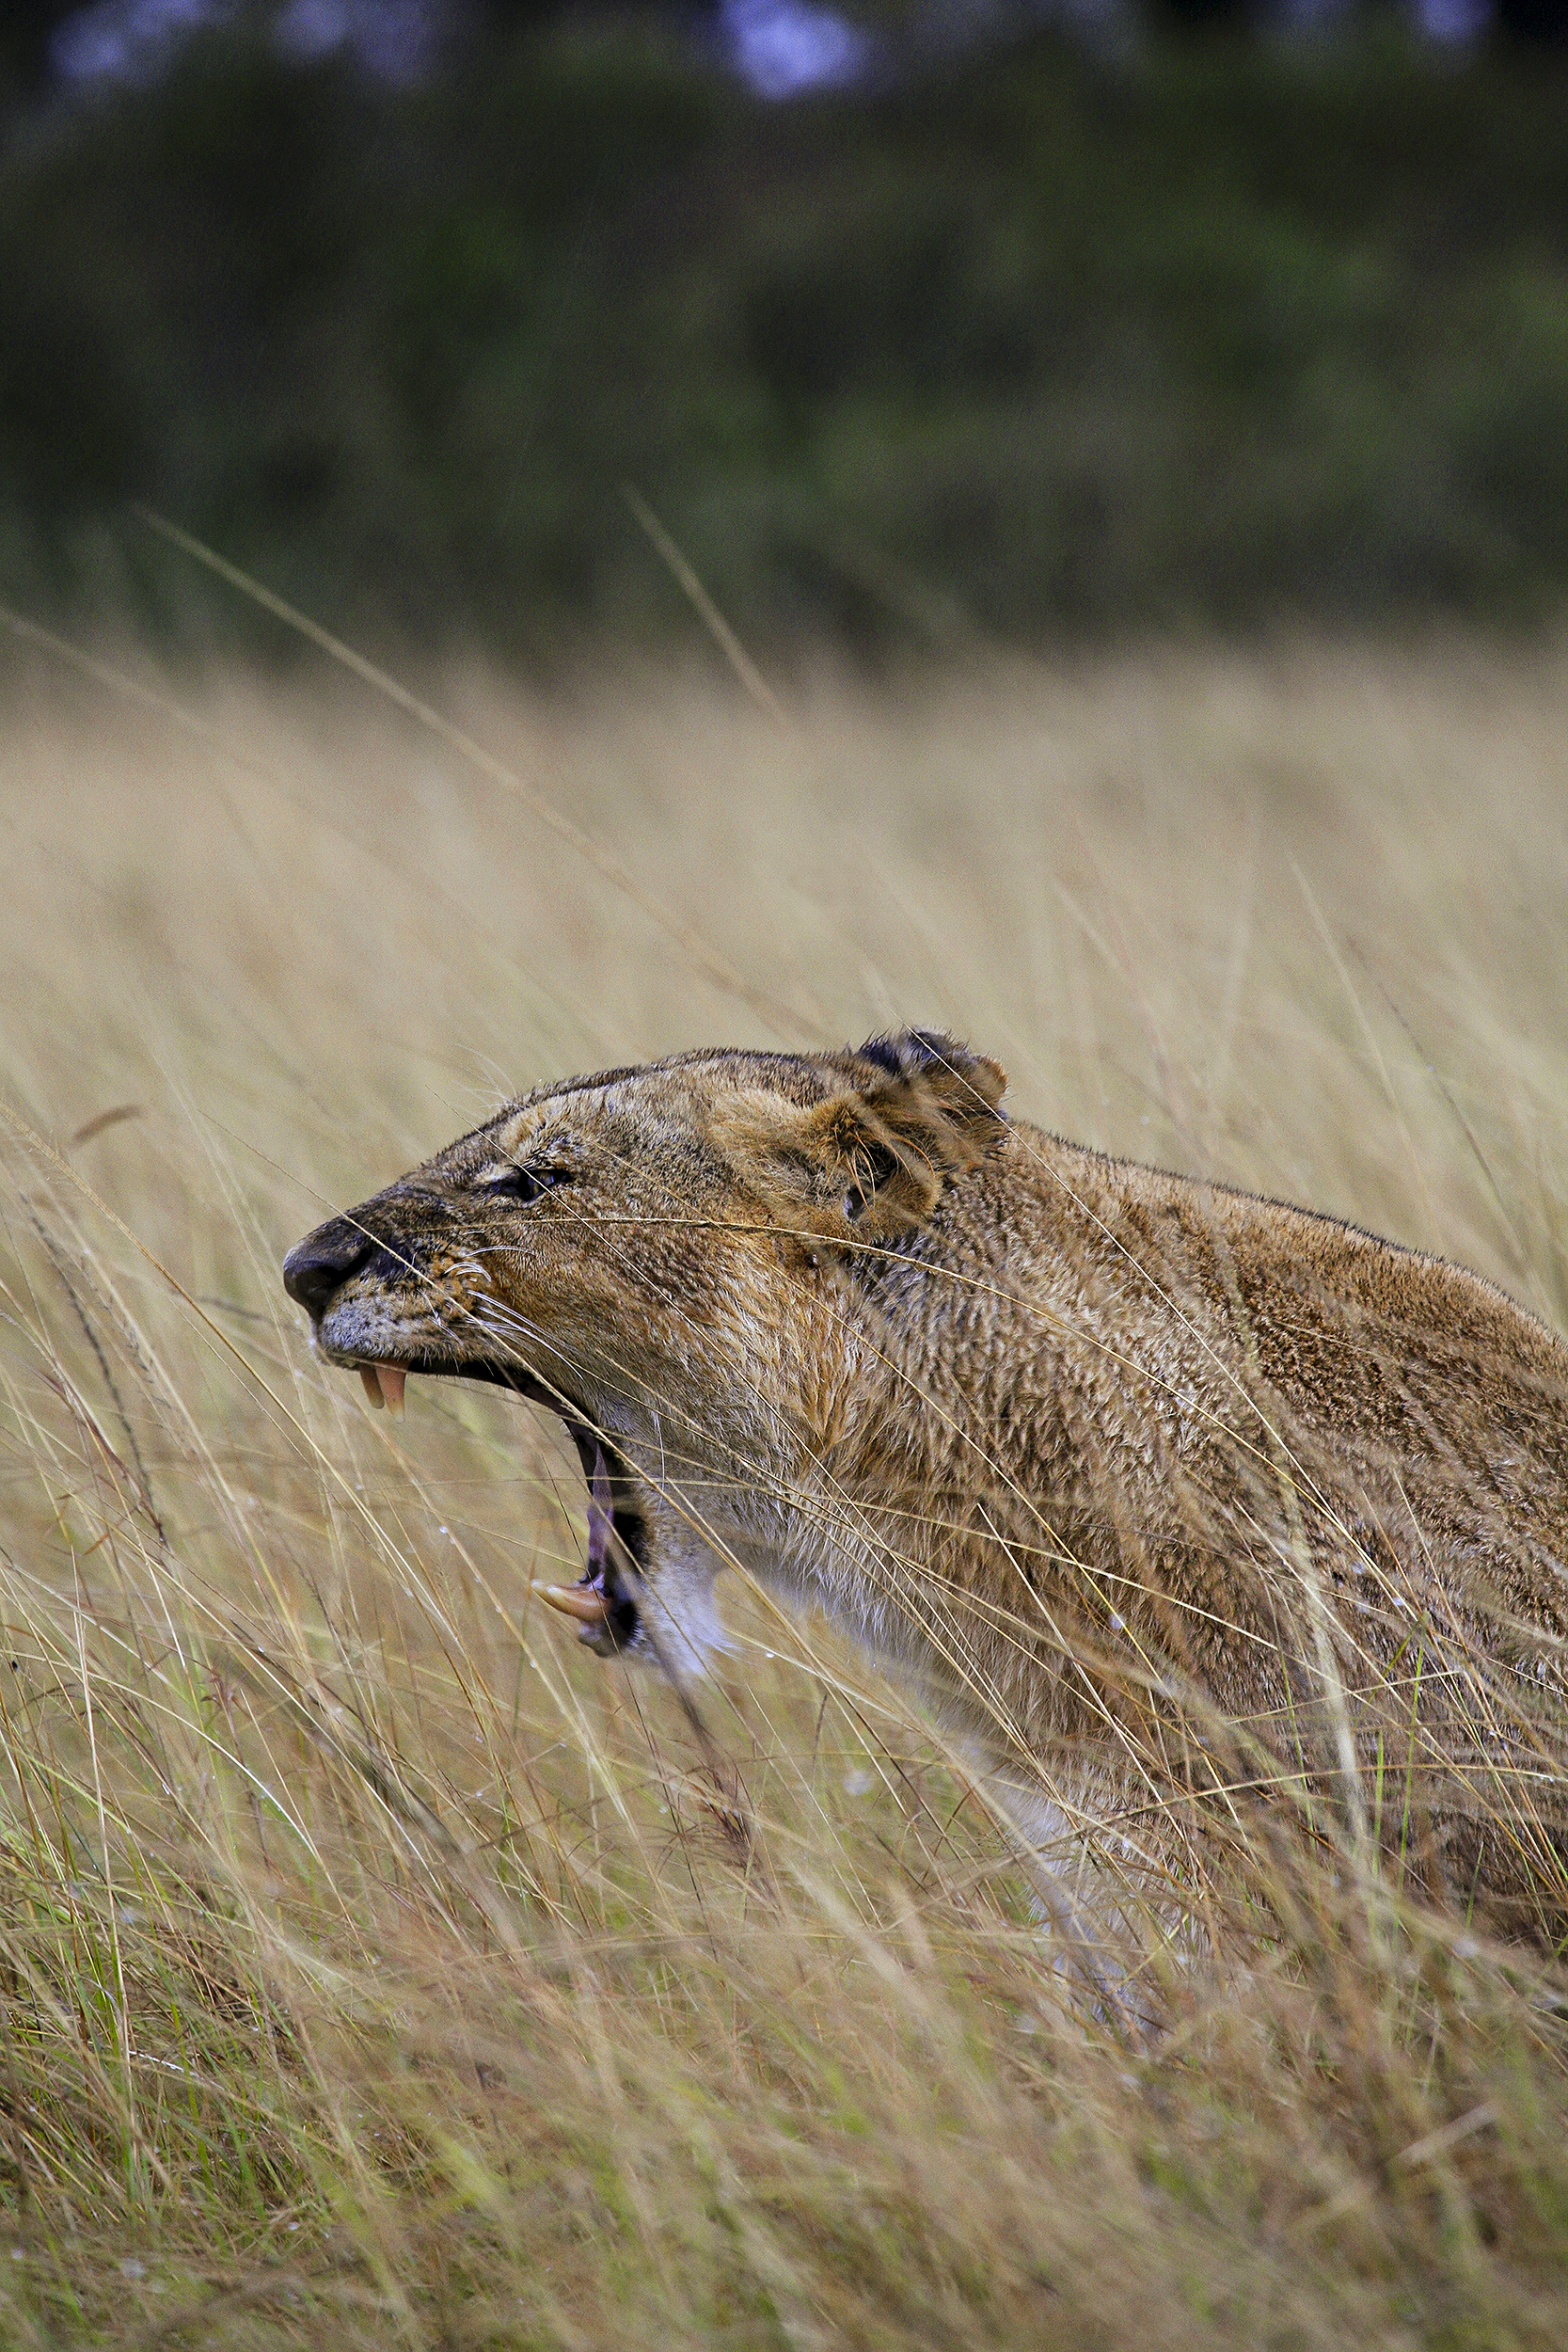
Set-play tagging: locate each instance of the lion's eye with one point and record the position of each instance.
(525, 1183)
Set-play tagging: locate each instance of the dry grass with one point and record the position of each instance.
(374, 1961)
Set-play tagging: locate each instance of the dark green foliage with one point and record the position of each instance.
(26, 29)
(1543, 21)
(1221, 336)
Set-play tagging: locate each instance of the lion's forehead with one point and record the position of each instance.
(687, 1079)
(668, 1101)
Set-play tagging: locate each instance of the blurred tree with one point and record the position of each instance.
(525, 15)
(26, 29)
(1535, 21)
(1197, 16)
(504, 18)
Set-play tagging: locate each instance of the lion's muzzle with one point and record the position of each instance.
(317, 1267)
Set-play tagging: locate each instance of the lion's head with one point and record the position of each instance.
(680, 1260)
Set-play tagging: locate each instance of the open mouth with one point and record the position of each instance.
(603, 1599)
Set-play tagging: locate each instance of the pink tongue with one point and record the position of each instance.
(600, 1514)
(588, 1601)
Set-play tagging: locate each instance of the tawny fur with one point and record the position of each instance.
(1177, 1504)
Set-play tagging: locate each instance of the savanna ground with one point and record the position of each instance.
(377, 1966)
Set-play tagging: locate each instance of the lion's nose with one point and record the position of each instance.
(323, 1262)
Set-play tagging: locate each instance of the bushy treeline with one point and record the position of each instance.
(1210, 337)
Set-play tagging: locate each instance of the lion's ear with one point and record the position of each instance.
(869, 1164)
(943, 1079)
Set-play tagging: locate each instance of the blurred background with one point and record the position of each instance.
(915, 323)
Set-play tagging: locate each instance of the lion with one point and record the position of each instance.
(1180, 1508)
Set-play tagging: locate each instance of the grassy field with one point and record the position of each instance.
(374, 1961)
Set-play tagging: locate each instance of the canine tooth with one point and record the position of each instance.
(576, 1600)
(373, 1387)
(392, 1377)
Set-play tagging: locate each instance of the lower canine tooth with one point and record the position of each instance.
(373, 1387)
(576, 1600)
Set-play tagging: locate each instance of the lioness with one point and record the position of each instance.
(1174, 1502)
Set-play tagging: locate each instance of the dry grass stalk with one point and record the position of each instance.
(372, 1961)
